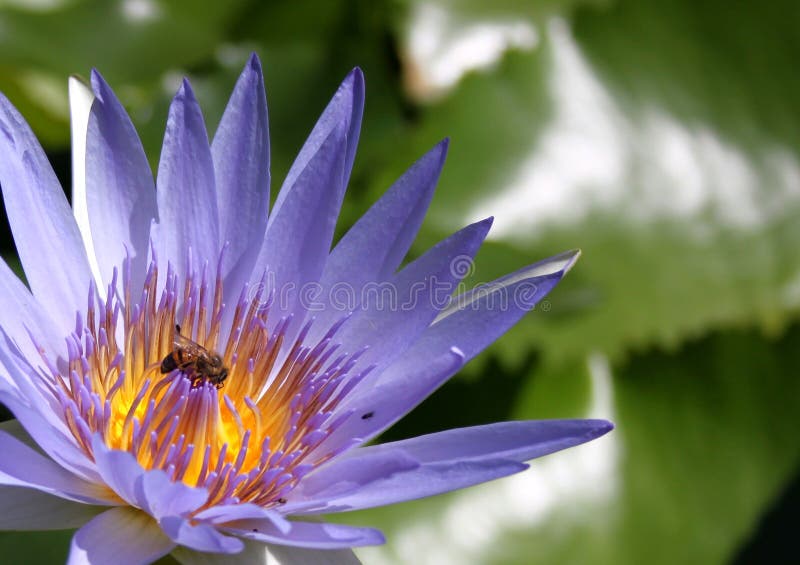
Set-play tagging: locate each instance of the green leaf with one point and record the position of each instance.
(730, 65)
(476, 12)
(130, 40)
(36, 548)
(706, 437)
(686, 218)
(133, 43)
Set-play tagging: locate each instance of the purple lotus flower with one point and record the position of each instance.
(191, 374)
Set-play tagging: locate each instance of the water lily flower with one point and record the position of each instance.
(184, 370)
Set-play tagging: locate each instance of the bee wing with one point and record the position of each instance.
(190, 347)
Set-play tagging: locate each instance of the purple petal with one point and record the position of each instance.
(120, 194)
(152, 491)
(29, 509)
(45, 233)
(483, 316)
(21, 313)
(421, 290)
(389, 402)
(241, 166)
(430, 479)
(43, 425)
(315, 535)
(495, 307)
(21, 466)
(186, 194)
(123, 536)
(376, 245)
(343, 476)
(15, 430)
(518, 441)
(448, 461)
(235, 514)
(163, 497)
(120, 471)
(200, 537)
(345, 109)
(300, 230)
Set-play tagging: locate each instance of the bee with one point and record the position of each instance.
(195, 361)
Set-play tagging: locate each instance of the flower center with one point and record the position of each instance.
(249, 438)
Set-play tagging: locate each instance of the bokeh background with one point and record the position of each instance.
(660, 136)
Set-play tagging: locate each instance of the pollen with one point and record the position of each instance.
(248, 439)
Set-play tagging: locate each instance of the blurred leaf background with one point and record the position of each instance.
(661, 137)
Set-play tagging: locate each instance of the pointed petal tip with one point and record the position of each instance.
(253, 71)
(254, 62)
(438, 152)
(557, 265)
(591, 429)
(603, 427)
(483, 226)
(99, 86)
(571, 258)
(356, 75)
(354, 85)
(185, 92)
(79, 89)
(485, 223)
(75, 80)
(432, 161)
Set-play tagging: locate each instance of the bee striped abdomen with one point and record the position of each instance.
(168, 364)
(199, 364)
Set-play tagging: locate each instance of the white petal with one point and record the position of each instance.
(30, 509)
(561, 263)
(23, 467)
(122, 536)
(80, 105)
(15, 429)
